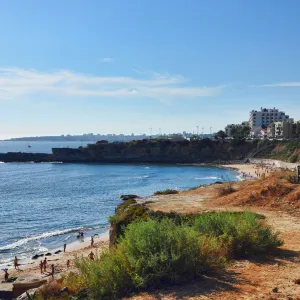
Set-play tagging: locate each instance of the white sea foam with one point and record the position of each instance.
(67, 237)
(42, 249)
(24, 241)
(207, 178)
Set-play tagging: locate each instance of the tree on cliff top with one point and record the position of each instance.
(241, 131)
(220, 135)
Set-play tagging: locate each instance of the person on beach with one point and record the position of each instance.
(52, 270)
(68, 263)
(16, 263)
(6, 275)
(92, 241)
(41, 266)
(65, 246)
(91, 256)
(45, 264)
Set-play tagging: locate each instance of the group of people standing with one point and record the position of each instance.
(43, 267)
(44, 263)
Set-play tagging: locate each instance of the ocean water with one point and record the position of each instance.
(37, 146)
(42, 206)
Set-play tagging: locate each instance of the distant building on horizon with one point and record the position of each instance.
(265, 117)
(283, 130)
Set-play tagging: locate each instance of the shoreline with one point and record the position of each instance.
(76, 245)
(31, 267)
(261, 277)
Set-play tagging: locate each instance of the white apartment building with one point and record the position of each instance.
(265, 117)
(279, 130)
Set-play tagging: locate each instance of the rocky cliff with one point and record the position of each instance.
(157, 151)
(25, 157)
(144, 151)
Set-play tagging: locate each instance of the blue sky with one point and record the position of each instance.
(125, 66)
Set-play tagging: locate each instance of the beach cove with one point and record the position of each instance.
(44, 205)
(204, 199)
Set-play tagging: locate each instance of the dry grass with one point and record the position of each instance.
(294, 196)
(273, 191)
(225, 189)
(49, 289)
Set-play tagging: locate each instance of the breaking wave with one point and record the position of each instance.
(207, 178)
(24, 241)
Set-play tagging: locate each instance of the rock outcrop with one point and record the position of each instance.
(157, 151)
(143, 151)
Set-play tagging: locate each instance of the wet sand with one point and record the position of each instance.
(60, 260)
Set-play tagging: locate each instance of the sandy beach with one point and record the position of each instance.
(251, 171)
(60, 260)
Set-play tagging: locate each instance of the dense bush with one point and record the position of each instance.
(108, 276)
(292, 178)
(242, 233)
(126, 213)
(166, 192)
(167, 251)
(160, 252)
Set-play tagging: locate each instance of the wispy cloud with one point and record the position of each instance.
(107, 59)
(17, 82)
(281, 84)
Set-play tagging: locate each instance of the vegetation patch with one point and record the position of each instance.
(171, 248)
(225, 189)
(166, 192)
(242, 234)
(292, 178)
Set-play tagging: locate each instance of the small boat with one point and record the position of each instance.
(29, 146)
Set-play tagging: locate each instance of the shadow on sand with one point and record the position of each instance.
(226, 280)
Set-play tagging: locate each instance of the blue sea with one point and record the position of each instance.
(43, 206)
(38, 147)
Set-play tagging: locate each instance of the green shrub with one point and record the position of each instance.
(166, 192)
(292, 178)
(293, 158)
(123, 206)
(107, 276)
(168, 249)
(161, 252)
(242, 233)
(126, 213)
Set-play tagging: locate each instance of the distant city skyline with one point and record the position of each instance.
(70, 67)
(110, 136)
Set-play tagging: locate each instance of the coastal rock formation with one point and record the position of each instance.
(25, 157)
(166, 151)
(127, 197)
(144, 151)
(157, 151)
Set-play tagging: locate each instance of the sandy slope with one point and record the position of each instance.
(259, 278)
